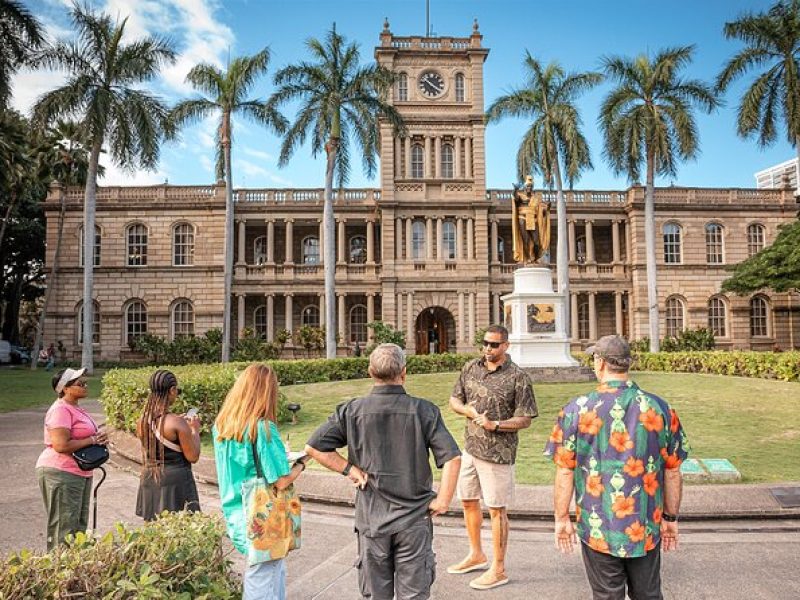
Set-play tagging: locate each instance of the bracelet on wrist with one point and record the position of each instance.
(346, 470)
(669, 518)
(497, 426)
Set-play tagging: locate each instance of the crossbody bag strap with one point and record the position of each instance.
(164, 442)
(254, 446)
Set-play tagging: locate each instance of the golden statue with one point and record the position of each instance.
(530, 223)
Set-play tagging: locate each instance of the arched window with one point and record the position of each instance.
(95, 323)
(759, 316)
(97, 237)
(135, 320)
(717, 317)
(136, 236)
(311, 250)
(449, 240)
(310, 316)
(182, 319)
(583, 320)
(183, 245)
(672, 243)
(402, 87)
(501, 250)
(714, 236)
(260, 322)
(358, 323)
(417, 162)
(755, 238)
(674, 316)
(460, 95)
(447, 161)
(260, 250)
(358, 250)
(418, 240)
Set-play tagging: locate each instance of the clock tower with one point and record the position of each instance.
(434, 211)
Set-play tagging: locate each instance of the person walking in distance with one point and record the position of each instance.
(496, 397)
(619, 449)
(389, 436)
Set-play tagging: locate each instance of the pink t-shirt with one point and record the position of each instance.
(80, 425)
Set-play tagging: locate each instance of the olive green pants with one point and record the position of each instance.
(66, 501)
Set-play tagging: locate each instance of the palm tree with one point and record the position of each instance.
(20, 34)
(773, 48)
(227, 94)
(340, 101)
(15, 162)
(103, 92)
(63, 158)
(548, 99)
(647, 118)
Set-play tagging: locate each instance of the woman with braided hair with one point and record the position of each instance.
(170, 444)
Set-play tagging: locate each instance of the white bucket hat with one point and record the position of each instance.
(69, 375)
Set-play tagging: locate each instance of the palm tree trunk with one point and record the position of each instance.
(228, 270)
(9, 210)
(562, 251)
(797, 168)
(650, 254)
(51, 284)
(89, 203)
(329, 250)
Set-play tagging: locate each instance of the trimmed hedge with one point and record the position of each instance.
(205, 386)
(765, 365)
(178, 556)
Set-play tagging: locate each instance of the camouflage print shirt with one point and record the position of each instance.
(503, 393)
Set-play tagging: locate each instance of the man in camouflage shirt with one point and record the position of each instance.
(496, 397)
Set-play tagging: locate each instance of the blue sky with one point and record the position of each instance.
(574, 32)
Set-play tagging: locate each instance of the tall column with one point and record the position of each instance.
(270, 317)
(288, 313)
(459, 238)
(471, 317)
(321, 300)
(572, 241)
(370, 311)
(370, 242)
(398, 238)
(439, 226)
(494, 242)
(289, 242)
(470, 239)
(592, 316)
(321, 238)
(342, 320)
(457, 166)
(468, 156)
(407, 169)
(410, 341)
(427, 161)
(240, 315)
(398, 155)
(240, 259)
(618, 312)
(270, 241)
(574, 316)
(460, 332)
(615, 241)
(496, 318)
(341, 242)
(409, 238)
(590, 241)
(429, 238)
(437, 157)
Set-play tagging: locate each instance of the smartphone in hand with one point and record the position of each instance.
(191, 413)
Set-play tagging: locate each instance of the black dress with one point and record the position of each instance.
(175, 490)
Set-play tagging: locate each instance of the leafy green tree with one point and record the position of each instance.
(772, 51)
(226, 92)
(384, 333)
(548, 99)
(340, 101)
(16, 163)
(20, 34)
(776, 267)
(647, 119)
(104, 93)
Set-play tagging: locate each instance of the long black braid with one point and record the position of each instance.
(153, 416)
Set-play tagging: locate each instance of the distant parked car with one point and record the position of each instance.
(5, 352)
(20, 355)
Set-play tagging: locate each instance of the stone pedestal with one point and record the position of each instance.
(534, 317)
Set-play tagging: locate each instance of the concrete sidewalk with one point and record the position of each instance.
(700, 502)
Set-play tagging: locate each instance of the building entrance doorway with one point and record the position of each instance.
(435, 331)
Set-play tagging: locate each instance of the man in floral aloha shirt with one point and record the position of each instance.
(620, 449)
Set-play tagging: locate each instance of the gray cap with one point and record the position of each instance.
(615, 348)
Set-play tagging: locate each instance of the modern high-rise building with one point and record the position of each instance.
(783, 175)
(429, 251)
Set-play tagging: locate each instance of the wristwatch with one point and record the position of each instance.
(668, 517)
(346, 471)
(497, 427)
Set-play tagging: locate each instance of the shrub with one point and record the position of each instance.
(252, 348)
(686, 340)
(178, 556)
(765, 365)
(182, 350)
(384, 333)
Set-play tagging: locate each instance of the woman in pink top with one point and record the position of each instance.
(65, 488)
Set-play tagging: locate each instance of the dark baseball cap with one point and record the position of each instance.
(615, 348)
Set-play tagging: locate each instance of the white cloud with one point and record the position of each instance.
(117, 176)
(251, 169)
(258, 154)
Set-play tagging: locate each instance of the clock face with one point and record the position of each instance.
(431, 84)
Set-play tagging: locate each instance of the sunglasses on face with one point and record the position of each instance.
(82, 384)
(492, 344)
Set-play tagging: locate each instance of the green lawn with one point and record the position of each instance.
(754, 423)
(22, 388)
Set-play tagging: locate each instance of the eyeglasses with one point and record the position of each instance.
(492, 344)
(82, 384)
(179, 390)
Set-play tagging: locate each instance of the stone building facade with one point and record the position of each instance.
(429, 251)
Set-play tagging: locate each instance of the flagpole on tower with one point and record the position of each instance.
(427, 18)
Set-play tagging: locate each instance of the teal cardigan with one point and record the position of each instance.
(235, 465)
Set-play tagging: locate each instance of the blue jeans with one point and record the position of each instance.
(265, 581)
